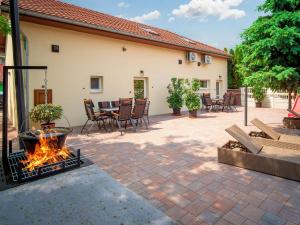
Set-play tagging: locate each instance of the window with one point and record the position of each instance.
(96, 84)
(150, 31)
(204, 83)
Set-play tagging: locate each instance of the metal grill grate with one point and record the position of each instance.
(19, 174)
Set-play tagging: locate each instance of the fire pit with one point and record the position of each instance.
(47, 154)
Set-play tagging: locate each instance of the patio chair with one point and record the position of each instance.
(96, 119)
(105, 104)
(115, 104)
(295, 111)
(226, 102)
(126, 100)
(276, 159)
(207, 102)
(138, 112)
(123, 115)
(232, 105)
(273, 134)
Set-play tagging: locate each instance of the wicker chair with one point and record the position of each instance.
(207, 102)
(226, 102)
(232, 101)
(138, 112)
(96, 119)
(125, 100)
(115, 104)
(123, 115)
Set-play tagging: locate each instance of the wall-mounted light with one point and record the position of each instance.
(124, 49)
(180, 61)
(142, 72)
(55, 48)
(199, 63)
(220, 77)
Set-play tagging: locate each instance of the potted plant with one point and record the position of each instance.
(258, 95)
(175, 98)
(46, 114)
(192, 97)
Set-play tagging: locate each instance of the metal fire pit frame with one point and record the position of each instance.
(19, 174)
(5, 110)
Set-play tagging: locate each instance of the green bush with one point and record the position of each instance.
(176, 92)
(258, 94)
(46, 113)
(192, 97)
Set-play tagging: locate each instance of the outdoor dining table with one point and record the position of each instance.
(109, 112)
(216, 104)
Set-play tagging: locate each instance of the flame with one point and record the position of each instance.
(46, 152)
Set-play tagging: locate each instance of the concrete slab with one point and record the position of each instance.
(83, 196)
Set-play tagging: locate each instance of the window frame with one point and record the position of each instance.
(100, 83)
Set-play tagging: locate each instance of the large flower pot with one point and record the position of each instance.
(193, 114)
(45, 126)
(258, 104)
(176, 112)
(291, 123)
(57, 137)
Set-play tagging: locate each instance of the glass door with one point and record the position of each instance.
(140, 88)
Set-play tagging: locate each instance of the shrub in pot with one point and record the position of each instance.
(176, 92)
(46, 114)
(258, 95)
(192, 97)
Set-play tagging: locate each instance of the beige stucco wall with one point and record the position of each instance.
(12, 106)
(83, 55)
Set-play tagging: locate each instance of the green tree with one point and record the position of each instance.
(271, 47)
(235, 79)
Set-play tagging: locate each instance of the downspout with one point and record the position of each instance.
(17, 56)
(27, 80)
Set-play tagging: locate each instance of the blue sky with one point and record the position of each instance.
(215, 22)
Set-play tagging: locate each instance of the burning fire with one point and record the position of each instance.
(46, 152)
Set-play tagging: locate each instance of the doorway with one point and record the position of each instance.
(140, 88)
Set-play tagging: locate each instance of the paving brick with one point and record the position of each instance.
(196, 207)
(253, 213)
(290, 214)
(273, 219)
(209, 217)
(271, 206)
(224, 205)
(176, 212)
(234, 218)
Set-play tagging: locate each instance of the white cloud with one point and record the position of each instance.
(223, 9)
(147, 16)
(123, 5)
(171, 19)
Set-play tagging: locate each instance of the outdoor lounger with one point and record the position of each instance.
(276, 158)
(275, 135)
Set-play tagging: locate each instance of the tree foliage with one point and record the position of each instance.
(4, 25)
(271, 47)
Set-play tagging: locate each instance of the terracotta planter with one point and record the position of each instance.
(48, 126)
(176, 112)
(291, 123)
(258, 104)
(193, 114)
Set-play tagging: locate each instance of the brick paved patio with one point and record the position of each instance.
(174, 166)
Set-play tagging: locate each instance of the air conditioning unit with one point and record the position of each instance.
(207, 59)
(192, 56)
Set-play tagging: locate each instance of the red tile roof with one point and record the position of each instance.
(58, 9)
